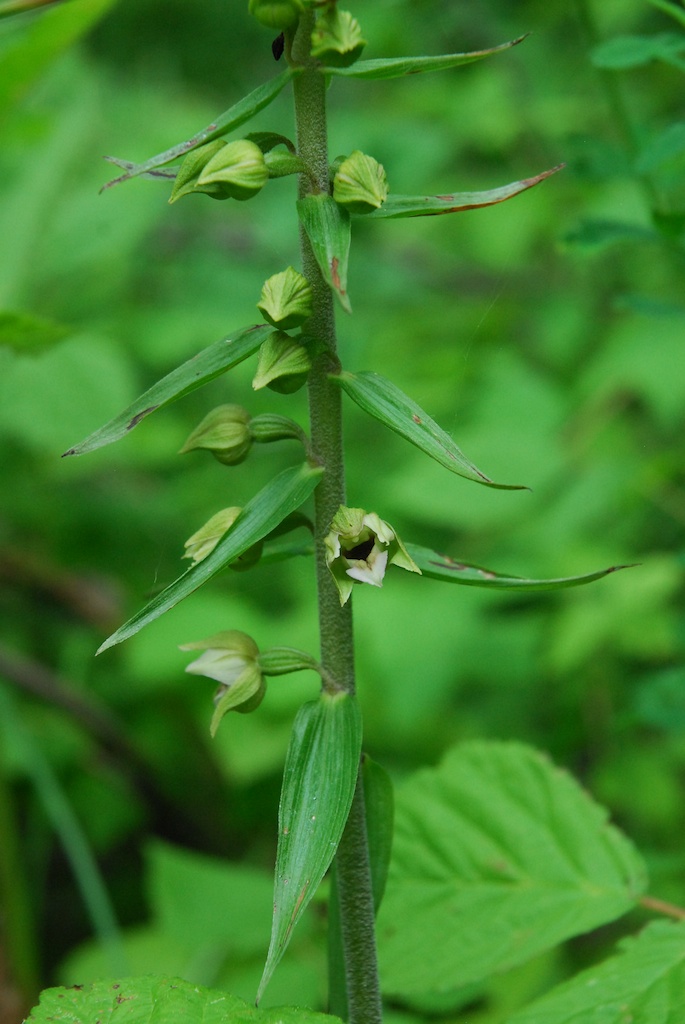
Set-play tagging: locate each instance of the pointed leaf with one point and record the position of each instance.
(319, 779)
(430, 206)
(232, 118)
(442, 567)
(205, 366)
(328, 230)
(385, 402)
(644, 984)
(261, 515)
(168, 1000)
(498, 856)
(379, 804)
(397, 67)
(670, 8)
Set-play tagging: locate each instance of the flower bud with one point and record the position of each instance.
(286, 299)
(359, 548)
(231, 658)
(284, 364)
(238, 167)
(204, 540)
(270, 426)
(360, 183)
(191, 169)
(277, 14)
(225, 432)
(279, 661)
(337, 38)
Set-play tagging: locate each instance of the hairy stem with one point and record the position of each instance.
(335, 622)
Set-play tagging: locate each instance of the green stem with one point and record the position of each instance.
(335, 622)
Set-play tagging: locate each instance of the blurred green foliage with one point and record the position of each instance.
(545, 334)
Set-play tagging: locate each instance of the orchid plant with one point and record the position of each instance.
(497, 855)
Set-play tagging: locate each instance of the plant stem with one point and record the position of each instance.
(335, 622)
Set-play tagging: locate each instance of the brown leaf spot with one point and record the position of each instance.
(417, 419)
(335, 276)
(139, 416)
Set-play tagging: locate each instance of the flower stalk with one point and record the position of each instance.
(335, 620)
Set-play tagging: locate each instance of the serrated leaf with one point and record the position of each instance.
(281, 496)
(643, 984)
(397, 67)
(498, 855)
(396, 206)
(205, 366)
(319, 779)
(442, 567)
(383, 400)
(168, 1000)
(634, 51)
(328, 229)
(232, 118)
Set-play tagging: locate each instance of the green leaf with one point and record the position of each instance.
(498, 856)
(40, 41)
(670, 143)
(27, 333)
(319, 779)
(379, 803)
(634, 51)
(328, 230)
(644, 984)
(232, 118)
(397, 67)
(669, 8)
(167, 1000)
(598, 234)
(383, 400)
(430, 206)
(205, 366)
(281, 496)
(442, 567)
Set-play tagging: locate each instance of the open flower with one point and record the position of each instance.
(359, 548)
(232, 659)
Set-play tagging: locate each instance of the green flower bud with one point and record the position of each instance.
(191, 169)
(359, 548)
(337, 38)
(204, 540)
(360, 183)
(231, 658)
(286, 299)
(284, 364)
(277, 14)
(225, 432)
(238, 167)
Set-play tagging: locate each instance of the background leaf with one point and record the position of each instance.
(497, 856)
(643, 984)
(171, 1000)
(315, 802)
